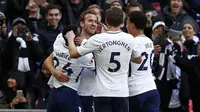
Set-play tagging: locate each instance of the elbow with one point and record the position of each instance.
(139, 60)
(74, 55)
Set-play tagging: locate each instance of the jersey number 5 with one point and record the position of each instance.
(112, 60)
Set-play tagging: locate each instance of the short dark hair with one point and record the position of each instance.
(118, 1)
(138, 18)
(52, 6)
(72, 27)
(114, 16)
(89, 11)
(134, 4)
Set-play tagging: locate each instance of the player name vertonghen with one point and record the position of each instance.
(114, 42)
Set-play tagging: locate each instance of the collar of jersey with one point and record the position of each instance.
(142, 35)
(114, 31)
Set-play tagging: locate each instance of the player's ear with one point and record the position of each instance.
(81, 24)
(133, 25)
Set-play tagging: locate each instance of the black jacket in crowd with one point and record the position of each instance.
(47, 36)
(192, 68)
(11, 54)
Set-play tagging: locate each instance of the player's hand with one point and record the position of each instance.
(70, 35)
(104, 27)
(22, 100)
(157, 49)
(60, 76)
(79, 40)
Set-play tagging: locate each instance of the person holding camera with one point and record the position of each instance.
(21, 54)
(16, 93)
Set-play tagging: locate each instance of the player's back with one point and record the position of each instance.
(112, 57)
(141, 78)
(72, 67)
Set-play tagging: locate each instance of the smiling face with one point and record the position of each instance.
(158, 30)
(53, 17)
(89, 24)
(188, 31)
(176, 6)
(11, 83)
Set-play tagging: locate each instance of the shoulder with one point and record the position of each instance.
(97, 37)
(59, 41)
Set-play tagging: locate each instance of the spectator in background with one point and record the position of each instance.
(174, 15)
(71, 10)
(191, 67)
(21, 54)
(134, 7)
(14, 9)
(41, 88)
(48, 32)
(101, 27)
(32, 16)
(97, 10)
(3, 102)
(3, 5)
(119, 4)
(189, 37)
(3, 30)
(157, 29)
(15, 83)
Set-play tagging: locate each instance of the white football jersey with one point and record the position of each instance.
(86, 87)
(72, 67)
(141, 78)
(112, 52)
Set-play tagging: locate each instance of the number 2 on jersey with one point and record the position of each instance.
(112, 60)
(142, 66)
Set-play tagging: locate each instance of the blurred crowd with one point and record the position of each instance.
(28, 29)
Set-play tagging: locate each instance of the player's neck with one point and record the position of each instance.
(111, 28)
(138, 32)
(86, 35)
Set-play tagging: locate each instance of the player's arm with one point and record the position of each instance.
(137, 60)
(88, 47)
(136, 54)
(87, 61)
(48, 63)
(58, 74)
